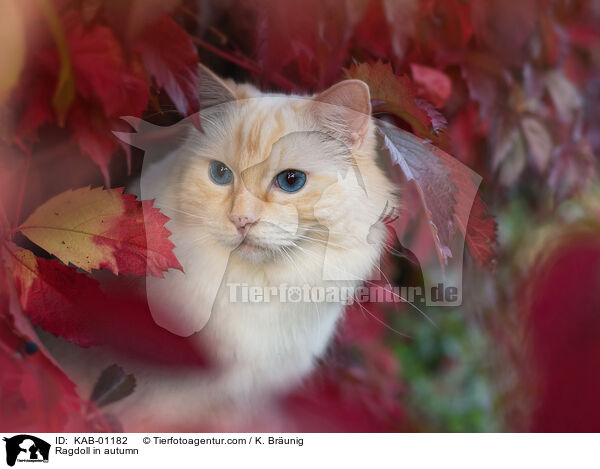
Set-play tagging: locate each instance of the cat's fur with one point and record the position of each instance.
(260, 349)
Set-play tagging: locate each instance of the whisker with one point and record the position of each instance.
(193, 215)
(383, 323)
(387, 290)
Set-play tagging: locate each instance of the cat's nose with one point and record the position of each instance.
(242, 224)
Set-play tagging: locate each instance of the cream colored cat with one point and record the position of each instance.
(261, 197)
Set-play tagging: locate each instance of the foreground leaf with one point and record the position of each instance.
(113, 385)
(53, 296)
(97, 229)
(448, 190)
(35, 393)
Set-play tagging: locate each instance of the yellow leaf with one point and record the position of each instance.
(12, 36)
(65, 88)
(69, 224)
(103, 229)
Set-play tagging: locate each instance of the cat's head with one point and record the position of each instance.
(268, 174)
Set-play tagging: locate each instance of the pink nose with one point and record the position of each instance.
(242, 224)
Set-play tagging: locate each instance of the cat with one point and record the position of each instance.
(270, 188)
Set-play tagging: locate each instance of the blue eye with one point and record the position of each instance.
(291, 180)
(220, 173)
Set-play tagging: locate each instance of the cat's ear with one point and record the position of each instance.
(212, 90)
(345, 110)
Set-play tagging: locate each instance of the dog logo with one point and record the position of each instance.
(26, 448)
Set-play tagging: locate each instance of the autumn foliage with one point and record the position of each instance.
(509, 89)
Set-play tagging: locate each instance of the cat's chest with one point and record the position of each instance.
(273, 345)
(273, 330)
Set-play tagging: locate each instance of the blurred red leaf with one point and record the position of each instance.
(362, 324)
(92, 133)
(485, 79)
(170, 57)
(71, 305)
(106, 82)
(386, 28)
(481, 235)
(35, 393)
(306, 42)
(52, 295)
(435, 86)
(503, 28)
(129, 18)
(466, 131)
(349, 395)
(563, 325)
(122, 321)
(34, 93)
(471, 214)
(107, 86)
(444, 28)
(372, 32)
(102, 74)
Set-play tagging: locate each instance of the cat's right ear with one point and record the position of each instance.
(345, 110)
(212, 90)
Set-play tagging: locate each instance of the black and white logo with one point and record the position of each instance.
(26, 448)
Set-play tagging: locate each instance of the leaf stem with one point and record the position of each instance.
(244, 62)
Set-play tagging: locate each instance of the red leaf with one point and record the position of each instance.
(37, 110)
(139, 239)
(170, 57)
(435, 86)
(372, 33)
(101, 72)
(52, 295)
(474, 221)
(72, 306)
(122, 321)
(97, 228)
(130, 17)
(444, 28)
(448, 191)
(306, 42)
(562, 305)
(35, 394)
(350, 397)
(107, 86)
(394, 94)
(465, 131)
(481, 234)
(484, 76)
(503, 28)
(93, 136)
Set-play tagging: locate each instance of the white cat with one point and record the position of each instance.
(256, 199)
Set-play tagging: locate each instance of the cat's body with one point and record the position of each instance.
(259, 349)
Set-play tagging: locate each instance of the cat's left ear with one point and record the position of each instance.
(345, 110)
(212, 90)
